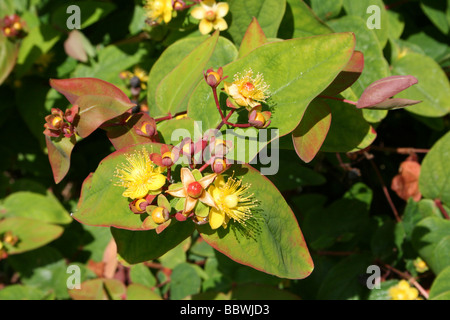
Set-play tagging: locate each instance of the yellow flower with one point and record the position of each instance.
(211, 16)
(420, 265)
(232, 202)
(403, 291)
(247, 91)
(159, 10)
(193, 190)
(139, 175)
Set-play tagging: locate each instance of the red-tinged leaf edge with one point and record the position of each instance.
(310, 134)
(348, 76)
(205, 231)
(74, 88)
(59, 152)
(383, 89)
(253, 38)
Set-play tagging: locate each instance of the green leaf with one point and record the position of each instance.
(436, 12)
(431, 239)
(260, 292)
(433, 88)
(342, 281)
(174, 90)
(141, 274)
(359, 9)
(312, 130)
(440, 289)
(253, 38)
(184, 281)
(272, 242)
(101, 202)
(38, 41)
(59, 152)
(435, 171)
(300, 21)
(22, 292)
(8, 56)
(269, 14)
(32, 233)
(416, 211)
(91, 12)
(348, 131)
(129, 243)
(295, 80)
(375, 65)
(112, 60)
(224, 53)
(327, 9)
(139, 292)
(99, 289)
(31, 205)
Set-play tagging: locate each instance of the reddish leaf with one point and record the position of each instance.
(74, 46)
(253, 38)
(396, 103)
(347, 76)
(125, 135)
(74, 88)
(59, 151)
(312, 130)
(406, 183)
(97, 109)
(383, 89)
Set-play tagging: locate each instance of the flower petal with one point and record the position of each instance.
(207, 199)
(190, 204)
(220, 24)
(207, 180)
(186, 176)
(216, 218)
(198, 13)
(222, 9)
(205, 26)
(157, 182)
(179, 193)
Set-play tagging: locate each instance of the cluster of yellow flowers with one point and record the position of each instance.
(403, 291)
(227, 199)
(210, 13)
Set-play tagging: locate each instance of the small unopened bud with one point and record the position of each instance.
(147, 129)
(219, 165)
(213, 78)
(167, 159)
(138, 206)
(259, 119)
(160, 215)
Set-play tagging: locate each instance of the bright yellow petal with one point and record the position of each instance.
(198, 13)
(205, 26)
(209, 3)
(220, 24)
(222, 9)
(167, 16)
(156, 182)
(216, 218)
(186, 176)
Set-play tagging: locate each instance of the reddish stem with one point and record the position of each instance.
(438, 203)
(339, 99)
(216, 99)
(400, 150)
(170, 116)
(408, 277)
(383, 186)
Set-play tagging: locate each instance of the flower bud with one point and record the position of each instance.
(219, 165)
(259, 119)
(147, 129)
(138, 205)
(213, 78)
(160, 215)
